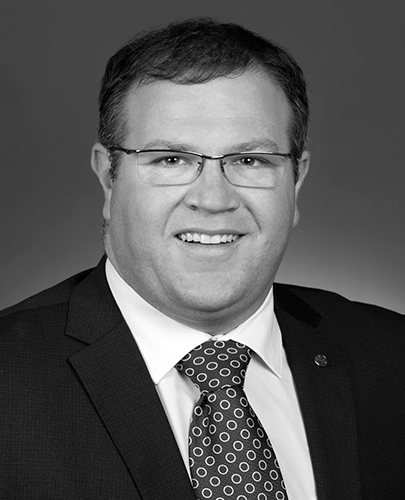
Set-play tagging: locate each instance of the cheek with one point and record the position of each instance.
(138, 216)
(275, 214)
(126, 217)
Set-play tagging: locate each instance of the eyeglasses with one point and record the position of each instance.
(163, 167)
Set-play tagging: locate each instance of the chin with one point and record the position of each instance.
(208, 298)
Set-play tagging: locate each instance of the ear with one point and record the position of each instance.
(100, 163)
(303, 168)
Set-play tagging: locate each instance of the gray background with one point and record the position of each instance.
(52, 55)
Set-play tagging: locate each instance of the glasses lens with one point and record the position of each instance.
(168, 167)
(254, 169)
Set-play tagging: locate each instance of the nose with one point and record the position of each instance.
(211, 191)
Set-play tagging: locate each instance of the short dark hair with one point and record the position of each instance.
(197, 51)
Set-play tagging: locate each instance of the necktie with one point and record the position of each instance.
(230, 455)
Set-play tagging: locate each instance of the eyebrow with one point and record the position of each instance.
(253, 145)
(160, 143)
(258, 145)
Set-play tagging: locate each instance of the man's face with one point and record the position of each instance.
(211, 287)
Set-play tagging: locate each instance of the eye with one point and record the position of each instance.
(249, 161)
(171, 160)
(252, 160)
(165, 159)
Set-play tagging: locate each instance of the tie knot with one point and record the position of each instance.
(215, 365)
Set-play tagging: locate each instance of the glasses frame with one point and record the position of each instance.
(203, 157)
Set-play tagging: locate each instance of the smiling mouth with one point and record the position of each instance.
(208, 239)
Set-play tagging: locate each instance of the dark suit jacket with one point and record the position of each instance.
(80, 417)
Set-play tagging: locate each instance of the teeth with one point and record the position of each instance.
(207, 239)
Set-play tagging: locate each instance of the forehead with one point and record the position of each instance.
(210, 115)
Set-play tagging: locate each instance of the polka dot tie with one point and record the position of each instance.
(231, 457)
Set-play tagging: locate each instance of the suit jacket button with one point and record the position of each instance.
(321, 360)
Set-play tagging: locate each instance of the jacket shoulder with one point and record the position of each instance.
(336, 307)
(55, 295)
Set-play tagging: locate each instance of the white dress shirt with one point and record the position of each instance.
(269, 385)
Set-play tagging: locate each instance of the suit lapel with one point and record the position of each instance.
(324, 394)
(116, 379)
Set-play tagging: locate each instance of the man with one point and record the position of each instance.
(201, 156)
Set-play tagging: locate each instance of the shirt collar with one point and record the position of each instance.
(163, 341)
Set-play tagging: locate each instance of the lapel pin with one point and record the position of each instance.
(321, 360)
